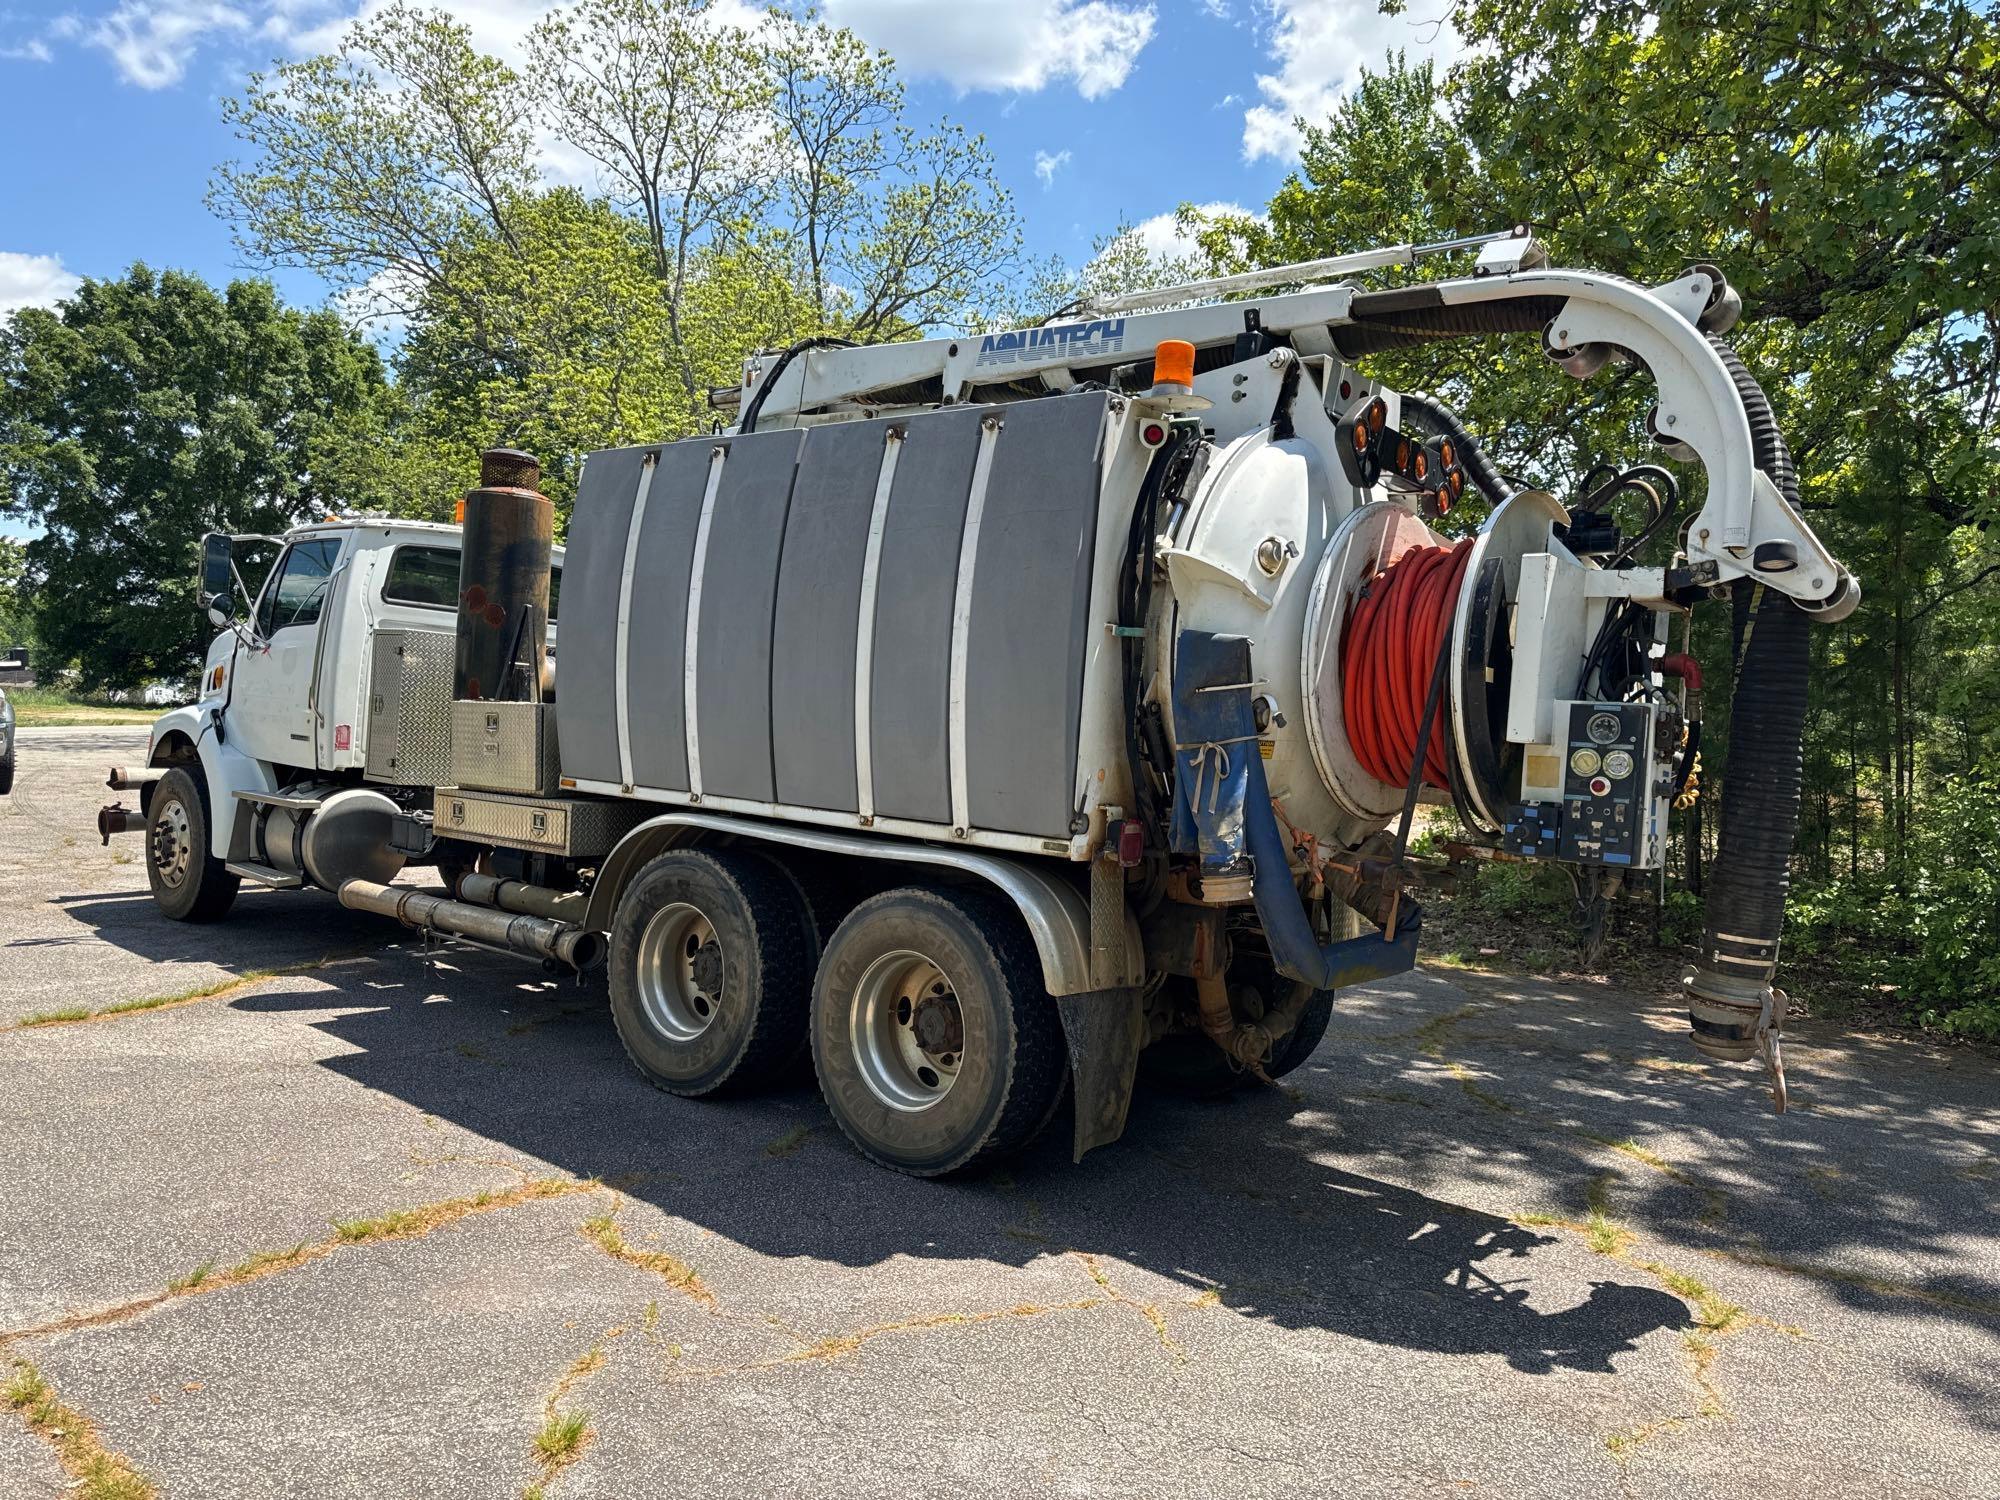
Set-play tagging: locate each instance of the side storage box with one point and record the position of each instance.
(504, 747)
(573, 827)
(409, 707)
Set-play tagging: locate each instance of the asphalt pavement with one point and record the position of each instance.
(342, 1217)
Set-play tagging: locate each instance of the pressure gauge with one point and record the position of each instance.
(1618, 764)
(1602, 728)
(1584, 761)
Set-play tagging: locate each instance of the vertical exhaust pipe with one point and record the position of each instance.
(503, 582)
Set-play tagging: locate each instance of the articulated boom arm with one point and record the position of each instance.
(1747, 527)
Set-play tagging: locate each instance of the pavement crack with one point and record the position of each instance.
(1881, 1286)
(397, 1224)
(96, 1472)
(602, 1231)
(563, 1435)
(840, 1345)
(220, 990)
(1147, 1310)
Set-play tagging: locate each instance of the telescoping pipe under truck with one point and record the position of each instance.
(976, 714)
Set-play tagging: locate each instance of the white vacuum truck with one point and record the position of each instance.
(977, 713)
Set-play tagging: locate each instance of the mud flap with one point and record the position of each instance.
(1104, 1029)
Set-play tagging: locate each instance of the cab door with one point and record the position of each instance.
(270, 706)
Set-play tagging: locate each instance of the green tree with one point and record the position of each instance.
(138, 414)
(17, 625)
(753, 186)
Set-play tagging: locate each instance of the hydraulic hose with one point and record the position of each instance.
(1405, 316)
(1731, 1003)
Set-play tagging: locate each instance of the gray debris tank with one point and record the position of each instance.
(877, 623)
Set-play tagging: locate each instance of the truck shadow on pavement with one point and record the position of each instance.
(1233, 1202)
(268, 929)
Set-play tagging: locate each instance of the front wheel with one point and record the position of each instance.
(189, 884)
(936, 1045)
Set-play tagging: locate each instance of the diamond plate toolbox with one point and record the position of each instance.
(575, 827)
(504, 747)
(409, 707)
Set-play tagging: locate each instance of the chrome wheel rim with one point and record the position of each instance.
(907, 1031)
(171, 844)
(680, 972)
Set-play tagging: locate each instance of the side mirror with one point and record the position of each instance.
(218, 580)
(219, 611)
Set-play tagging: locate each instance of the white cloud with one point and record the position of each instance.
(380, 306)
(1320, 47)
(1006, 44)
(1162, 235)
(1046, 166)
(32, 281)
(34, 49)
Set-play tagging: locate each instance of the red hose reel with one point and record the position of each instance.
(1388, 652)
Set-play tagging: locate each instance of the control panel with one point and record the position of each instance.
(1615, 791)
(1607, 785)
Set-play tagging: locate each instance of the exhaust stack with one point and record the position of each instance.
(503, 582)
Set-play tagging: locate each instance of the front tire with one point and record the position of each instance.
(711, 970)
(189, 884)
(7, 772)
(936, 1045)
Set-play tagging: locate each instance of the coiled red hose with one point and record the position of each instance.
(1387, 655)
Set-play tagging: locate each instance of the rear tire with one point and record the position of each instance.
(7, 772)
(189, 884)
(711, 971)
(937, 1048)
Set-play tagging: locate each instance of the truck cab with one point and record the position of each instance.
(291, 691)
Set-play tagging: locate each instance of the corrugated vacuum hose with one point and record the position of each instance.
(1735, 1010)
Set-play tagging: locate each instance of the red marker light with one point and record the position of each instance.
(1131, 843)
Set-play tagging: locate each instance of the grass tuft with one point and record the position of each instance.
(788, 1143)
(1713, 1312)
(562, 1438)
(603, 1232)
(193, 1278)
(97, 1473)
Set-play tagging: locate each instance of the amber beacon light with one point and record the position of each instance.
(1173, 364)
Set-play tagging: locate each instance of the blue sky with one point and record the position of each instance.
(110, 110)
(1097, 110)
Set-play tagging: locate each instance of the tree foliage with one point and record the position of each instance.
(143, 412)
(732, 188)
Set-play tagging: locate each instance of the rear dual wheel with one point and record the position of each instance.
(936, 1045)
(711, 966)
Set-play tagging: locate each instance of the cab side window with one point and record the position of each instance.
(423, 575)
(297, 589)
